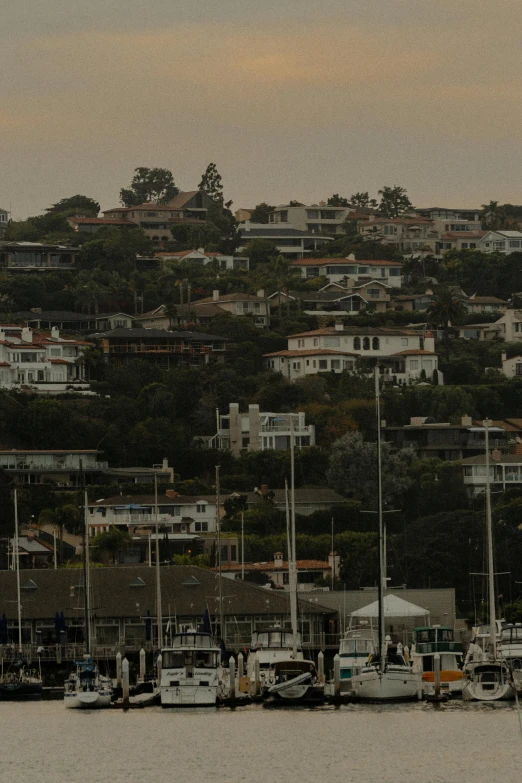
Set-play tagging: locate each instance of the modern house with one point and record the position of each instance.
(204, 258)
(61, 467)
(412, 303)
(41, 362)
(404, 355)
(164, 348)
(309, 572)
(486, 304)
(446, 219)
(409, 235)
(459, 240)
(259, 431)
(36, 257)
(157, 220)
(505, 242)
(505, 471)
(444, 440)
(512, 367)
(290, 242)
(315, 219)
(348, 271)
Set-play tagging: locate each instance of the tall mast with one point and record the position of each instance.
(17, 567)
(86, 574)
(381, 574)
(218, 544)
(159, 614)
(291, 552)
(491, 567)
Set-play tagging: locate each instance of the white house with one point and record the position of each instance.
(178, 514)
(308, 571)
(315, 218)
(512, 367)
(258, 430)
(501, 242)
(486, 304)
(404, 355)
(505, 470)
(349, 271)
(45, 363)
(290, 242)
(203, 258)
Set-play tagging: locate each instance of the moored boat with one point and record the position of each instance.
(355, 649)
(433, 640)
(191, 672)
(86, 688)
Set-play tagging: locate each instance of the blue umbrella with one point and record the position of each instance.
(148, 626)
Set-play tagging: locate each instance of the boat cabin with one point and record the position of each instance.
(435, 638)
(511, 634)
(274, 638)
(358, 644)
(191, 649)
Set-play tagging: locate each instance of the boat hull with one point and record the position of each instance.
(489, 682)
(189, 696)
(87, 700)
(20, 691)
(398, 685)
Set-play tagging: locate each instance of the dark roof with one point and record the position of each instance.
(53, 315)
(247, 233)
(143, 333)
(303, 495)
(480, 459)
(188, 589)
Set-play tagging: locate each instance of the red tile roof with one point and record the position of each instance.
(310, 352)
(271, 566)
(334, 261)
(414, 352)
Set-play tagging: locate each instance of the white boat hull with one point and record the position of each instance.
(87, 700)
(489, 683)
(189, 695)
(393, 685)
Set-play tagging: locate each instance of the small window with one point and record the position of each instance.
(366, 343)
(323, 364)
(404, 341)
(356, 343)
(375, 344)
(201, 508)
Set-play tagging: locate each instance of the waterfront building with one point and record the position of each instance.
(36, 257)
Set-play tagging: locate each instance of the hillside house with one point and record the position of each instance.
(204, 258)
(36, 257)
(348, 271)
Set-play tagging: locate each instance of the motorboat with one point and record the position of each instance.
(86, 688)
(433, 640)
(191, 674)
(510, 651)
(355, 649)
(19, 682)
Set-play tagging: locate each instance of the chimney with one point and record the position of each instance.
(171, 493)
(334, 561)
(215, 295)
(417, 421)
(261, 293)
(278, 559)
(264, 489)
(351, 257)
(55, 332)
(466, 421)
(27, 334)
(165, 463)
(201, 249)
(339, 326)
(503, 356)
(496, 454)
(429, 342)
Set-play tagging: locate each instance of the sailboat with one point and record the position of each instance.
(19, 683)
(290, 678)
(489, 676)
(387, 675)
(86, 688)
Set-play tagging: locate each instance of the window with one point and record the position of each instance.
(323, 364)
(414, 364)
(356, 343)
(383, 271)
(56, 351)
(375, 292)
(394, 272)
(518, 369)
(375, 344)
(300, 343)
(464, 245)
(366, 343)
(283, 217)
(327, 215)
(297, 366)
(390, 230)
(335, 364)
(332, 342)
(233, 552)
(364, 270)
(245, 442)
(472, 245)
(201, 508)
(201, 527)
(404, 341)
(312, 214)
(316, 341)
(224, 552)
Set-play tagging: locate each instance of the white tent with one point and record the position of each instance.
(393, 607)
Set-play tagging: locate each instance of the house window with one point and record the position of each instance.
(245, 442)
(518, 369)
(375, 292)
(316, 341)
(404, 341)
(332, 342)
(201, 527)
(297, 366)
(375, 344)
(323, 364)
(233, 552)
(414, 364)
(201, 508)
(356, 343)
(366, 343)
(335, 364)
(394, 272)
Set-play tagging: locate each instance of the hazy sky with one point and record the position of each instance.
(291, 99)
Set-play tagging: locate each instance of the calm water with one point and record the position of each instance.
(455, 743)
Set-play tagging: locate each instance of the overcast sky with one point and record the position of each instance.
(291, 99)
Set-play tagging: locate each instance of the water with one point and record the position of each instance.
(453, 743)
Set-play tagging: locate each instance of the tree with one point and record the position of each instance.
(212, 185)
(75, 205)
(493, 216)
(156, 185)
(362, 199)
(260, 251)
(352, 469)
(112, 541)
(445, 309)
(338, 201)
(261, 213)
(394, 201)
(295, 204)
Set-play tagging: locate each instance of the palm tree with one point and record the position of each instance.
(446, 309)
(493, 215)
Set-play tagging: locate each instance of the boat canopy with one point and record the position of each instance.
(393, 607)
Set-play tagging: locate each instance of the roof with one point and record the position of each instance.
(301, 565)
(96, 221)
(32, 545)
(54, 315)
(486, 300)
(274, 233)
(394, 606)
(480, 459)
(143, 332)
(188, 589)
(149, 500)
(309, 352)
(343, 261)
(183, 253)
(464, 234)
(414, 352)
(355, 330)
(302, 495)
(236, 297)
(48, 451)
(60, 361)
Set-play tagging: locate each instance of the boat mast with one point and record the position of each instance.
(291, 550)
(491, 567)
(382, 573)
(218, 544)
(159, 613)
(86, 573)
(17, 567)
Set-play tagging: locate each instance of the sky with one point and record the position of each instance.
(291, 99)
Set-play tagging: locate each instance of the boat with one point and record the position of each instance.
(433, 640)
(387, 676)
(85, 687)
(191, 672)
(510, 651)
(355, 649)
(19, 682)
(488, 676)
